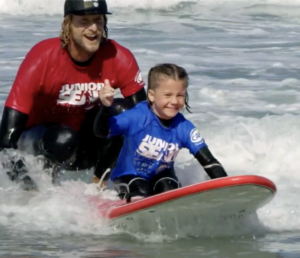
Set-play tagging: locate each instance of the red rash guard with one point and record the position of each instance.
(49, 87)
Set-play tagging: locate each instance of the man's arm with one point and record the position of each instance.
(20, 99)
(101, 123)
(12, 125)
(138, 96)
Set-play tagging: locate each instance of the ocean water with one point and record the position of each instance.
(243, 60)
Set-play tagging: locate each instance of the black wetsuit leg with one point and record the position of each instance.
(55, 142)
(30, 139)
(82, 151)
(164, 181)
(128, 186)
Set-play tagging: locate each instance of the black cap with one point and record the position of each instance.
(84, 7)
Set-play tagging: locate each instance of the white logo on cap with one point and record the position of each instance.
(95, 3)
(89, 3)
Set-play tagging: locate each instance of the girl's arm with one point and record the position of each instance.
(211, 165)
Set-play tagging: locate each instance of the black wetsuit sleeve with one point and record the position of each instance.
(212, 166)
(138, 96)
(12, 125)
(101, 123)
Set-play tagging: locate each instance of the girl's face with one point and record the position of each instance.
(168, 98)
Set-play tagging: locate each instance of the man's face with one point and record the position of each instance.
(86, 32)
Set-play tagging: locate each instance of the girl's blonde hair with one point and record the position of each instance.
(167, 71)
(65, 30)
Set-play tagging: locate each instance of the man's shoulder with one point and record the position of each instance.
(120, 48)
(44, 49)
(123, 54)
(47, 45)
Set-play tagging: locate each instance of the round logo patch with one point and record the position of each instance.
(196, 136)
(138, 78)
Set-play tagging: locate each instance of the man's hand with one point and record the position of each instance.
(106, 94)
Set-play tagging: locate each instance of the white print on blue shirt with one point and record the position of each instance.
(158, 149)
(154, 154)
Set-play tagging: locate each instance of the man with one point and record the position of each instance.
(51, 107)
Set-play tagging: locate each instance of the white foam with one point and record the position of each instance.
(267, 147)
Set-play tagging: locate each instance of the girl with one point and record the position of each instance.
(154, 131)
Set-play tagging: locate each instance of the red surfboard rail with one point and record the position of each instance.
(191, 189)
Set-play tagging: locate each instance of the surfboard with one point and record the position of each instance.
(211, 202)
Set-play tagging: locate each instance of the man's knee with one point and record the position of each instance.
(60, 143)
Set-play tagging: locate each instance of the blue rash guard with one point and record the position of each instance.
(149, 147)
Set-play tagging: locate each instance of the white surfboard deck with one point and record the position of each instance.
(203, 207)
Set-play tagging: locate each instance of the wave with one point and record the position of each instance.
(55, 7)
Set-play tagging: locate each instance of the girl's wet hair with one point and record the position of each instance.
(168, 71)
(65, 30)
